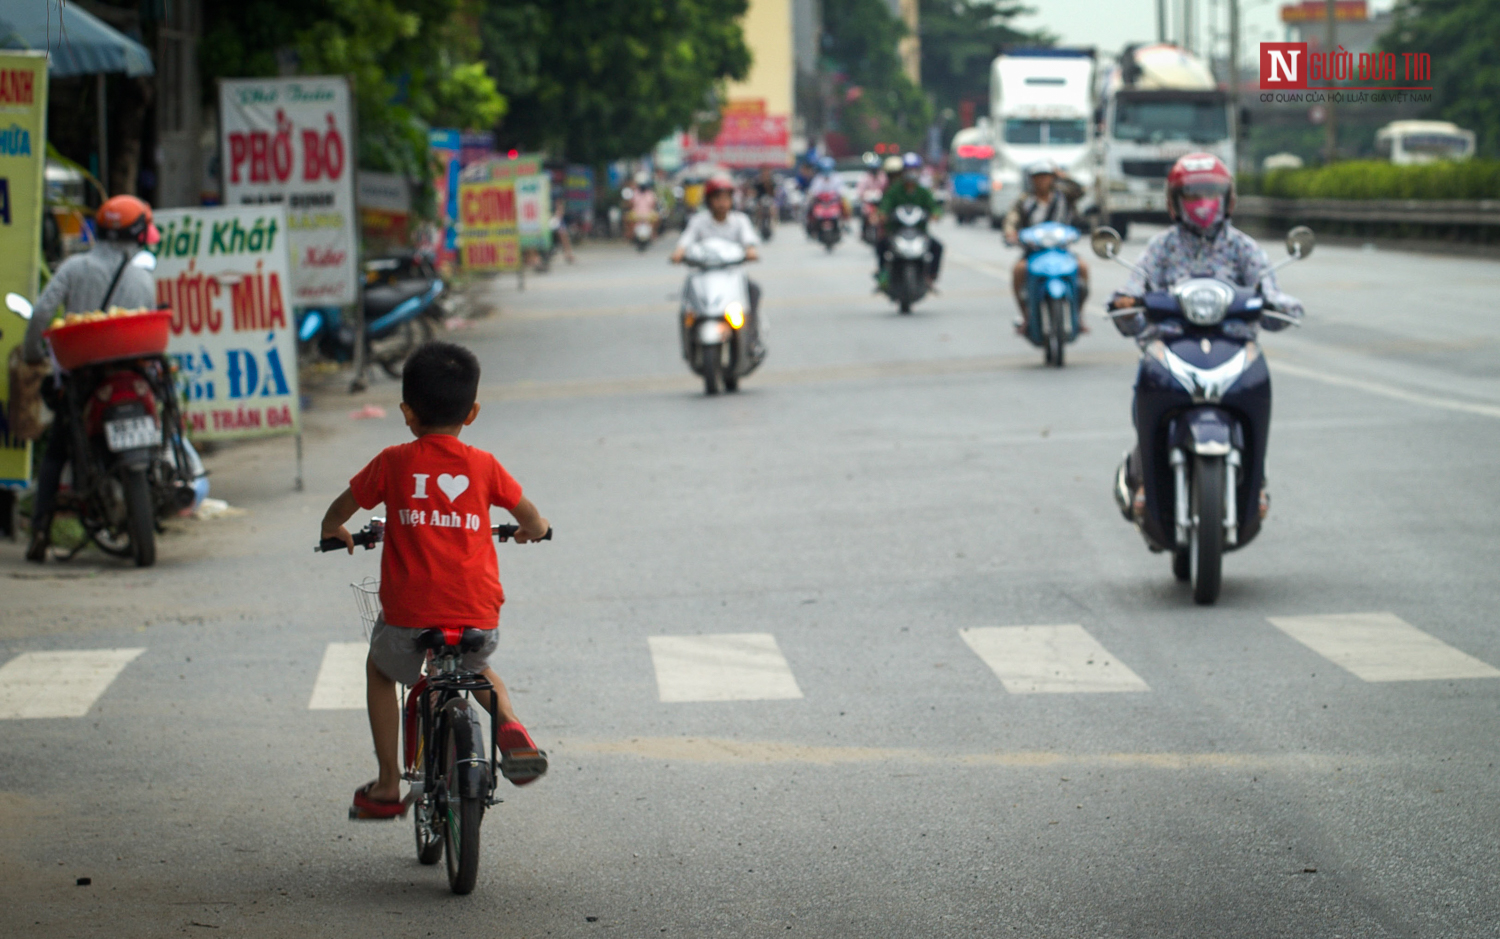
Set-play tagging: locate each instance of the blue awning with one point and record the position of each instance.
(76, 42)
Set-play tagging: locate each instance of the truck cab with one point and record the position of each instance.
(1041, 107)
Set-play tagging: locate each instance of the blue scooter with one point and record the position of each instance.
(401, 300)
(1052, 300)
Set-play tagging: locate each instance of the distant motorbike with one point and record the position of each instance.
(790, 201)
(825, 219)
(1202, 417)
(765, 211)
(402, 300)
(128, 461)
(1052, 299)
(907, 261)
(720, 331)
(869, 217)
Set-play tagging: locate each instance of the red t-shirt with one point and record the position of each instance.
(438, 567)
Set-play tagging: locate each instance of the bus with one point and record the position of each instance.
(1407, 142)
(969, 171)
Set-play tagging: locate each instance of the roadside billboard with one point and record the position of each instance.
(23, 152)
(491, 196)
(384, 209)
(226, 275)
(748, 137)
(291, 141)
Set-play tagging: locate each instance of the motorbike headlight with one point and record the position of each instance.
(735, 314)
(1050, 239)
(910, 246)
(1203, 301)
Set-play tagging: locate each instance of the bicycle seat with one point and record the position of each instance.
(466, 639)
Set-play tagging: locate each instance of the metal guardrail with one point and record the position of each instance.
(1390, 211)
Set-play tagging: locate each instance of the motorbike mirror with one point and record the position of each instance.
(18, 305)
(1106, 242)
(144, 260)
(1300, 241)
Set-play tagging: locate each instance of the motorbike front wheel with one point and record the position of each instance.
(1206, 552)
(1057, 318)
(709, 359)
(140, 520)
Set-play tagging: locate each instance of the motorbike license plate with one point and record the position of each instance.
(131, 432)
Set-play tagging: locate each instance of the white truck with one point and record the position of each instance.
(1041, 107)
(1156, 103)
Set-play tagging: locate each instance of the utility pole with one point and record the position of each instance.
(1161, 20)
(1189, 34)
(1331, 125)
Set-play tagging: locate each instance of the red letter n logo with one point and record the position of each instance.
(1283, 65)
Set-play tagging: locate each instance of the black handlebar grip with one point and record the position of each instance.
(507, 532)
(330, 544)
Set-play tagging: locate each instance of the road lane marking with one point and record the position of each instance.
(720, 750)
(1386, 391)
(59, 684)
(1382, 647)
(1050, 660)
(723, 667)
(341, 679)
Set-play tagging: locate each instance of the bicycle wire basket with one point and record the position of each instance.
(367, 601)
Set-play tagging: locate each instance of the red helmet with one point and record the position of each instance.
(126, 218)
(1200, 193)
(718, 184)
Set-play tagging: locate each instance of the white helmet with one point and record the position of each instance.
(1042, 167)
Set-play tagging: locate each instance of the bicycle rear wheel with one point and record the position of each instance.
(462, 813)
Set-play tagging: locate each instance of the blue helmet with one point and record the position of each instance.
(911, 161)
(826, 164)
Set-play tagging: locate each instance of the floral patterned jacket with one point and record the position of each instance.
(1177, 254)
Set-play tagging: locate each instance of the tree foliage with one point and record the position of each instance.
(960, 38)
(1461, 36)
(414, 64)
(597, 80)
(875, 100)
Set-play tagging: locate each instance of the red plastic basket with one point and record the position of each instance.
(118, 337)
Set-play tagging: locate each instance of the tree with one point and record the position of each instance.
(413, 63)
(598, 80)
(960, 38)
(1461, 37)
(874, 99)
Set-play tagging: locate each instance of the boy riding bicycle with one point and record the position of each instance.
(438, 567)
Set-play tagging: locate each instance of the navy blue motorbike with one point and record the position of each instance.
(1052, 298)
(1195, 484)
(402, 300)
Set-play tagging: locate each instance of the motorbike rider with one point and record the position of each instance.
(722, 221)
(100, 278)
(643, 202)
(906, 189)
(1201, 242)
(1052, 199)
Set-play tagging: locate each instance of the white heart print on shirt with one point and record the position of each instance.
(453, 486)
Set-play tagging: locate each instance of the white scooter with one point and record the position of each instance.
(722, 337)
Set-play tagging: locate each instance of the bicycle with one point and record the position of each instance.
(452, 781)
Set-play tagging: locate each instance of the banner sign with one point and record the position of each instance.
(534, 210)
(23, 152)
(489, 230)
(226, 275)
(291, 141)
(384, 209)
(748, 136)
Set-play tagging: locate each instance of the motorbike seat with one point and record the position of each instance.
(467, 639)
(381, 299)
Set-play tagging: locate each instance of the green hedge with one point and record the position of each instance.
(1373, 179)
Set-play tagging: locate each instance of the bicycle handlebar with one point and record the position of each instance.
(374, 533)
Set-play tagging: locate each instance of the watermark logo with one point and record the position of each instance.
(1283, 66)
(1291, 66)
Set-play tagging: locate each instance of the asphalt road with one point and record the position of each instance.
(847, 539)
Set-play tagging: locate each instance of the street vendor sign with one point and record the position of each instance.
(502, 206)
(291, 141)
(23, 151)
(225, 274)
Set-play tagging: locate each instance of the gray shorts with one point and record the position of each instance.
(394, 651)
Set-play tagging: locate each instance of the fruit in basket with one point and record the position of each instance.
(115, 312)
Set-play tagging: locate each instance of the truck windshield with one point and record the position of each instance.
(1022, 131)
(1152, 121)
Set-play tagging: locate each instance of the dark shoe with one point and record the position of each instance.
(36, 550)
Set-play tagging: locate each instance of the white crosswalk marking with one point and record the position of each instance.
(58, 684)
(1382, 647)
(723, 667)
(1050, 659)
(341, 679)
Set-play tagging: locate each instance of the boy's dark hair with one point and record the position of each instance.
(439, 383)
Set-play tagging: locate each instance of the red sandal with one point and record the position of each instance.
(520, 761)
(368, 809)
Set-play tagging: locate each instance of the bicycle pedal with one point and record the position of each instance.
(523, 764)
